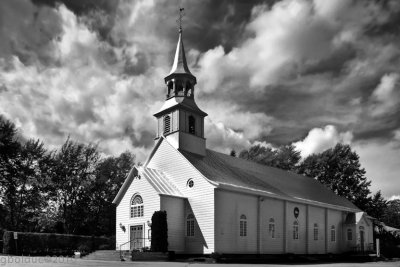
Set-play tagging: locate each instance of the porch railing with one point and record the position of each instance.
(138, 243)
(367, 248)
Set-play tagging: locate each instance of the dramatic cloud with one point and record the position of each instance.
(311, 73)
(386, 95)
(319, 140)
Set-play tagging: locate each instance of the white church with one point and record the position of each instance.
(223, 204)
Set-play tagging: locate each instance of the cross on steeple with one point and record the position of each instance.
(179, 20)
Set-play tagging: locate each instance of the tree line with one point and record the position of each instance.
(70, 189)
(338, 168)
(66, 190)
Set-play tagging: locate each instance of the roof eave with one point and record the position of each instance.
(125, 185)
(253, 191)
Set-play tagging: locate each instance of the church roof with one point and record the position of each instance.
(231, 171)
(183, 102)
(160, 181)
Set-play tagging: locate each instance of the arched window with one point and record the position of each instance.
(190, 225)
(167, 124)
(295, 230)
(271, 228)
(333, 233)
(349, 234)
(192, 125)
(137, 206)
(243, 225)
(315, 231)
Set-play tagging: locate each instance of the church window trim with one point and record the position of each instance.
(333, 233)
(190, 225)
(167, 124)
(243, 225)
(137, 207)
(349, 235)
(295, 230)
(271, 228)
(315, 231)
(192, 124)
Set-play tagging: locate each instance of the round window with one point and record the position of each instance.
(190, 183)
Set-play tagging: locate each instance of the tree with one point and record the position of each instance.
(259, 154)
(73, 171)
(391, 214)
(159, 232)
(284, 157)
(233, 153)
(339, 169)
(287, 158)
(9, 149)
(110, 175)
(23, 172)
(376, 206)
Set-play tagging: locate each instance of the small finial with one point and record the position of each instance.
(179, 20)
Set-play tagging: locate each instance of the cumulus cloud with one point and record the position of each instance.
(320, 139)
(386, 95)
(394, 197)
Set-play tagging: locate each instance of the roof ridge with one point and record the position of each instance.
(258, 164)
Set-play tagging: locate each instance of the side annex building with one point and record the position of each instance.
(218, 203)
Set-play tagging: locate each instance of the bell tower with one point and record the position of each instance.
(180, 120)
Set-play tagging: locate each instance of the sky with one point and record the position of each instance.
(307, 73)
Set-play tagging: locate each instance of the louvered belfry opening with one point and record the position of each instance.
(167, 124)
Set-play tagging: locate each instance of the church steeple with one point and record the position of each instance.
(180, 120)
(180, 81)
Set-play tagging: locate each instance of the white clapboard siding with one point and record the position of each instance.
(229, 206)
(272, 209)
(316, 216)
(200, 197)
(193, 244)
(175, 208)
(335, 218)
(368, 232)
(297, 246)
(151, 201)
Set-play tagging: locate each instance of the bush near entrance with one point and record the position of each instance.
(52, 244)
(159, 232)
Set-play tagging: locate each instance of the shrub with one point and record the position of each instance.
(8, 243)
(104, 247)
(1, 240)
(51, 244)
(84, 248)
(159, 232)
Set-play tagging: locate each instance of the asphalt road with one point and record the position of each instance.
(17, 261)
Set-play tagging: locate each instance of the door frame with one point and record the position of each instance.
(143, 233)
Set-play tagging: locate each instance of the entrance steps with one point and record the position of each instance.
(108, 255)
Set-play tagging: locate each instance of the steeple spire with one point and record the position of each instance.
(180, 63)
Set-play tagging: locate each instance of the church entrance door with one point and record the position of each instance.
(136, 237)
